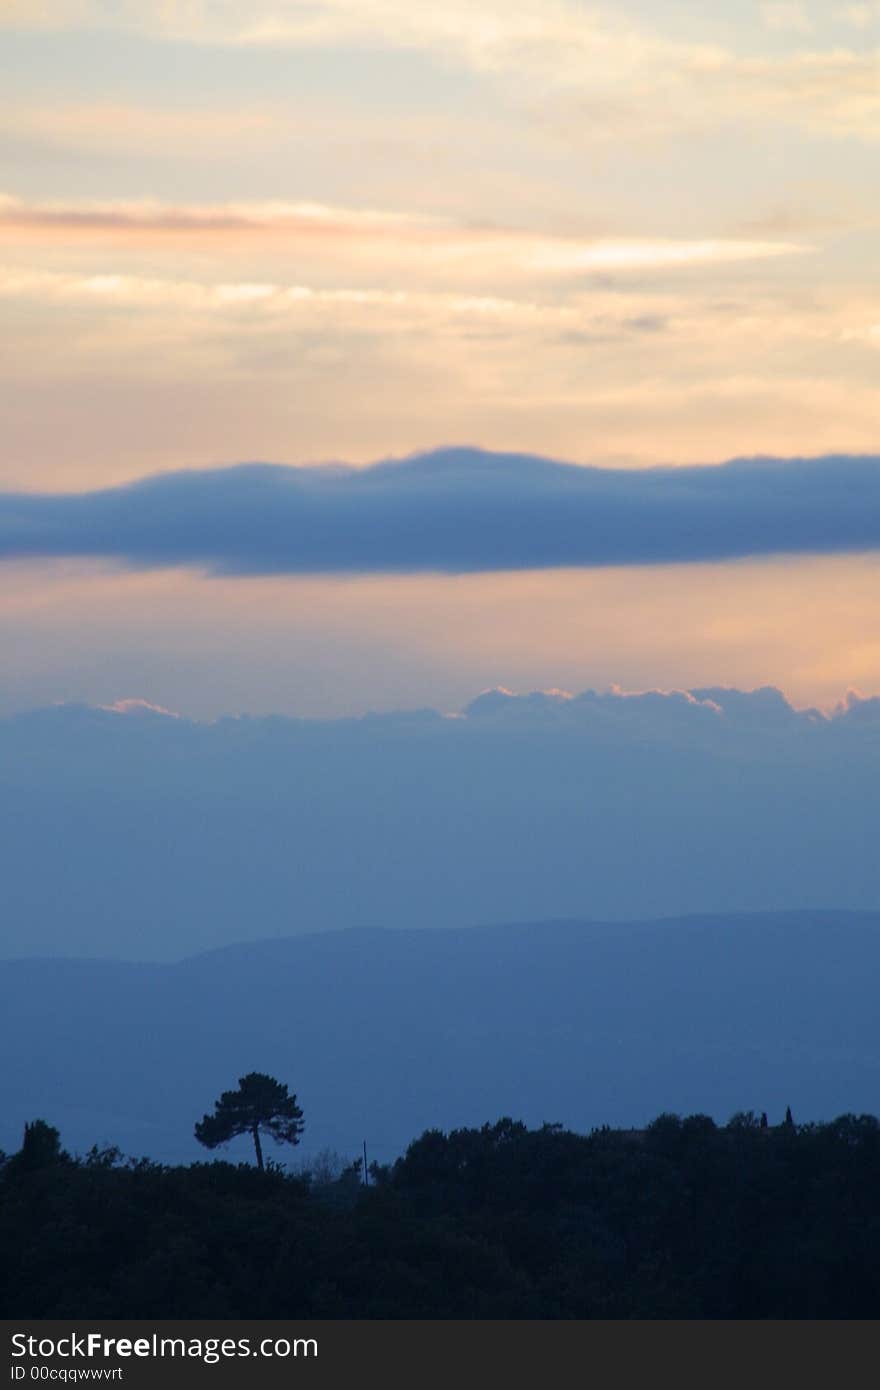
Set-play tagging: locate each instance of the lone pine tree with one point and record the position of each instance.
(261, 1104)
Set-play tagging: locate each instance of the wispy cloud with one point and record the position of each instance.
(273, 300)
(370, 232)
(456, 511)
(151, 215)
(487, 34)
(551, 46)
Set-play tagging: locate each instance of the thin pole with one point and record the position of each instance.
(366, 1169)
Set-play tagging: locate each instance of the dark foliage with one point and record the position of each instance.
(682, 1220)
(261, 1105)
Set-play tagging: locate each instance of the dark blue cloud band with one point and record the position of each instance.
(456, 511)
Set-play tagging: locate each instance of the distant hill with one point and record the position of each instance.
(383, 1033)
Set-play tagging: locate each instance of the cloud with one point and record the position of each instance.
(712, 708)
(604, 804)
(548, 48)
(859, 709)
(456, 511)
(659, 711)
(550, 37)
(396, 238)
(271, 298)
(151, 216)
(139, 709)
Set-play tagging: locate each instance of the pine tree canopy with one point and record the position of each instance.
(261, 1104)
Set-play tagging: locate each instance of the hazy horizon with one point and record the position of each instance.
(164, 836)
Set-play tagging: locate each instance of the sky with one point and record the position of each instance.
(626, 237)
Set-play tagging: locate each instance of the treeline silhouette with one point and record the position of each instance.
(682, 1220)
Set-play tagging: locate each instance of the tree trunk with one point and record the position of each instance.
(258, 1146)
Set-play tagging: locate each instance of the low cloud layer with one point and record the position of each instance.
(521, 807)
(456, 511)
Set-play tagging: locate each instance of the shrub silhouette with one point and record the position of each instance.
(41, 1148)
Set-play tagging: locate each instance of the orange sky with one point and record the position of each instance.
(625, 235)
(204, 647)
